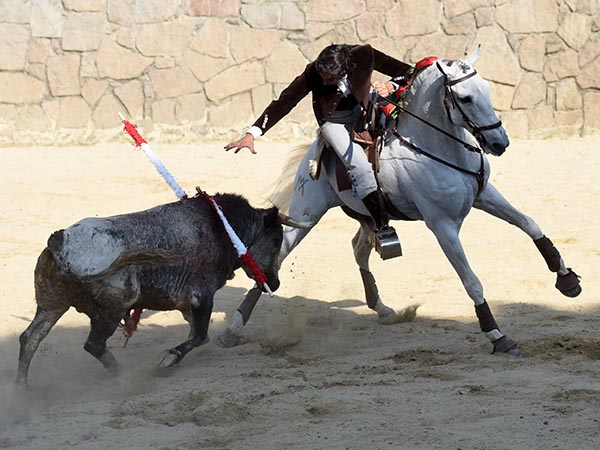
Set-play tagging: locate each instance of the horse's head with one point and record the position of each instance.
(467, 103)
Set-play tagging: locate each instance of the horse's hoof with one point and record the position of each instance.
(21, 385)
(507, 346)
(169, 358)
(572, 292)
(568, 284)
(228, 339)
(388, 318)
(515, 351)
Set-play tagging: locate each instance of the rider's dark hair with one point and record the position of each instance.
(335, 60)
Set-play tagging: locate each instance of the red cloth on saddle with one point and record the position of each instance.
(425, 62)
(388, 108)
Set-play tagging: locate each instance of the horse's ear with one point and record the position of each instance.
(474, 56)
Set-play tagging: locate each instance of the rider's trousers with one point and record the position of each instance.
(337, 131)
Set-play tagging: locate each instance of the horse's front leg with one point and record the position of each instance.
(492, 202)
(446, 233)
(362, 250)
(231, 335)
(311, 199)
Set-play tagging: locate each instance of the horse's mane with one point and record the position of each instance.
(282, 188)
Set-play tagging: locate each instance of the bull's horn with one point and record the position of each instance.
(287, 220)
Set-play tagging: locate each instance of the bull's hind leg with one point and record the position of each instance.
(362, 251)
(50, 295)
(31, 338)
(492, 202)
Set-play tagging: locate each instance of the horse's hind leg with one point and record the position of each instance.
(31, 338)
(492, 202)
(362, 250)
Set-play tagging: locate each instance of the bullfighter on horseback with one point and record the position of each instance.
(340, 82)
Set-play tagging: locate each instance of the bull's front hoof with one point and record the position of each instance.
(568, 284)
(169, 358)
(228, 339)
(507, 346)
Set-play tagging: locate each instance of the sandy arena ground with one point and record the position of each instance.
(316, 369)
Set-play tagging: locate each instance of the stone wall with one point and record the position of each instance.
(189, 69)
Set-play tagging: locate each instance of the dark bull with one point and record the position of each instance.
(173, 256)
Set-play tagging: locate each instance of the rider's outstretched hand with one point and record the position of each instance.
(246, 142)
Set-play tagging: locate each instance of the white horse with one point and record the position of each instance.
(430, 170)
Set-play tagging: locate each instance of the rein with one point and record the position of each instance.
(479, 175)
(449, 97)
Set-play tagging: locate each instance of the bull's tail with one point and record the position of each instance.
(149, 257)
(83, 268)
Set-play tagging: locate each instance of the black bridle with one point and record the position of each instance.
(450, 99)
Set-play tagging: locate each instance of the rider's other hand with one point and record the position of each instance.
(382, 89)
(246, 142)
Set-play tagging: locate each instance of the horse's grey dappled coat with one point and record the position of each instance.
(427, 174)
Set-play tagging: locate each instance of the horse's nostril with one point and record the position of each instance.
(498, 149)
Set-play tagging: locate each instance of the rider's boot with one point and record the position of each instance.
(383, 238)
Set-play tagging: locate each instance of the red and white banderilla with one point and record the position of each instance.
(140, 142)
(242, 251)
(239, 246)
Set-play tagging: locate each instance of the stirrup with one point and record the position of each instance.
(386, 242)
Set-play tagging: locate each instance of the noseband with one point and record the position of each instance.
(450, 101)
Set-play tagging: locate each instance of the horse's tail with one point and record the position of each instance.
(283, 187)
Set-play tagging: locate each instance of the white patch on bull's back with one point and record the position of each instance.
(87, 249)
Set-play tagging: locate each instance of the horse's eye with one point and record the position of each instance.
(467, 99)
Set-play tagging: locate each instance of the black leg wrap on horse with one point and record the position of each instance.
(486, 319)
(568, 284)
(249, 303)
(371, 291)
(549, 252)
(503, 345)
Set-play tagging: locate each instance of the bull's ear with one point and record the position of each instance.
(270, 217)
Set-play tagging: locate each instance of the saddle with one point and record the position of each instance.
(369, 132)
(343, 180)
